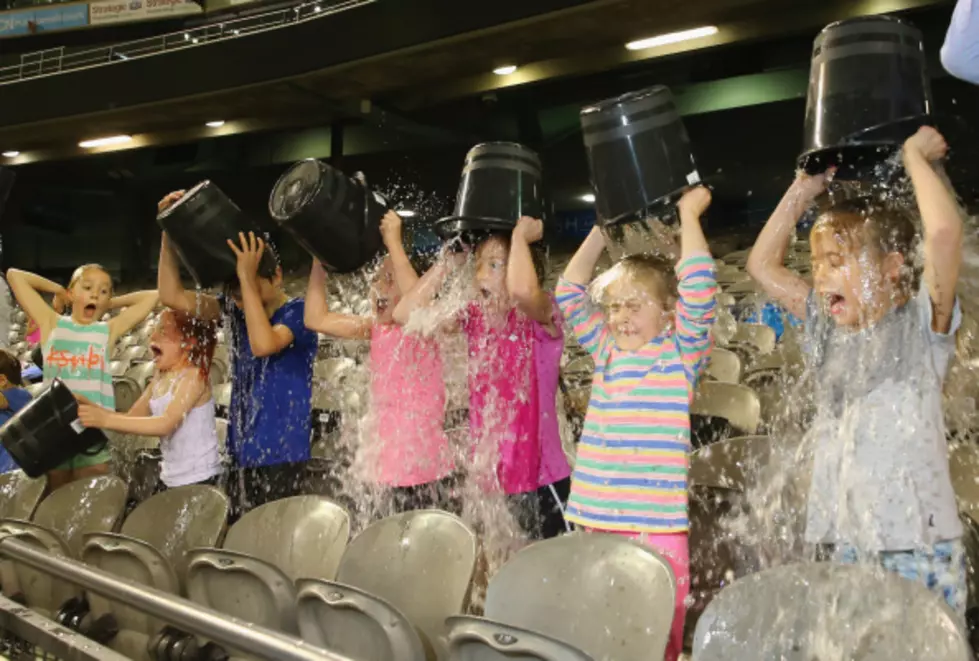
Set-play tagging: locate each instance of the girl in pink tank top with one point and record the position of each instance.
(515, 337)
(404, 442)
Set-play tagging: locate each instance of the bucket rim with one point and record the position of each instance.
(198, 187)
(664, 201)
(281, 218)
(877, 18)
(635, 95)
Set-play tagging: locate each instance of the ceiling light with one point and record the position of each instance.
(505, 71)
(11, 154)
(194, 40)
(588, 197)
(186, 37)
(216, 124)
(406, 213)
(105, 142)
(671, 38)
(317, 9)
(235, 32)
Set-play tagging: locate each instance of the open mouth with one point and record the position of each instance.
(156, 351)
(89, 310)
(836, 303)
(382, 304)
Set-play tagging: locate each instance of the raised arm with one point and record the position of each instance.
(697, 284)
(404, 273)
(317, 315)
(766, 262)
(521, 277)
(138, 306)
(423, 293)
(265, 339)
(186, 395)
(584, 317)
(27, 289)
(941, 220)
(171, 289)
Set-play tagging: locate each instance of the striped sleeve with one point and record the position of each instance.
(584, 317)
(695, 310)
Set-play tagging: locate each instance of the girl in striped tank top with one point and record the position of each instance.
(650, 341)
(77, 346)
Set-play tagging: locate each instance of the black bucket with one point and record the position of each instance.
(199, 226)
(46, 433)
(7, 178)
(501, 181)
(868, 92)
(336, 218)
(639, 154)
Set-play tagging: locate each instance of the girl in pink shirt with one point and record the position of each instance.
(404, 437)
(515, 338)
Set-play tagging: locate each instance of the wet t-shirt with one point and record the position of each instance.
(880, 470)
(17, 398)
(270, 417)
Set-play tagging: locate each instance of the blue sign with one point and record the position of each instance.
(33, 21)
(575, 224)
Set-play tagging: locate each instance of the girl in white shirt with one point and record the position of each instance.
(177, 406)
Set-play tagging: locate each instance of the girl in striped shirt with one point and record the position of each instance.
(77, 346)
(649, 340)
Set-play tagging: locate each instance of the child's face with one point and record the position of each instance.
(91, 295)
(855, 286)
(269, 289)
(491, 267)
(385, 294)
(167, 344)
(635, 316)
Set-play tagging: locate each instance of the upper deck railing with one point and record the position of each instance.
(55, 61)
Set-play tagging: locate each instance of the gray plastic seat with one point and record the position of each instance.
(152, 549)
(398, 582)
(142, 373)
(253, 576)
(60, 523)
(20, 495)
(724, 366)
(823, 612)
(737, 404)
(604, 595)
(127, 393)
(475, 639)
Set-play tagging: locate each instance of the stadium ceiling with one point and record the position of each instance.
(400, 82)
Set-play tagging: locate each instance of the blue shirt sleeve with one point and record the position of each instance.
(17, 398)
(292, 317)
(960, 52)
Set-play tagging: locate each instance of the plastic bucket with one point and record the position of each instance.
(46, 432)
(334, 217)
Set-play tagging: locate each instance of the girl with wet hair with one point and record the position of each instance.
(77, 346)
(177, 406)
(515, 338)
(879, 336)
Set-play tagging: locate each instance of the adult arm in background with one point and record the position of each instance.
(960, 52)
(766, 262)
(171, 289)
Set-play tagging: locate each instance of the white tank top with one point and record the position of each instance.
(191, 453)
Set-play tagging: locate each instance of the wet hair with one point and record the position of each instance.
(198, 338)
(654, 274)
(10, 368)
(536, 253)
(883, 226)
(80, 272)
(267, 268)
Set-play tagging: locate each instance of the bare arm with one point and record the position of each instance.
(186, 395)
(27, 288)
(404, 273)
(766, 262)
(692, 206)
(317, 315)
(172, 292)
(424, 291)
(582, 266)
(941, 219)
(140, 304)
(521, 277)
(265, 339)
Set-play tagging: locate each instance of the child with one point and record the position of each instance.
(272, 371)
(880, 483)
(13, 398)
(515, 341)
(406, 448)
(77, 347)
(649, 347)
(177, 406)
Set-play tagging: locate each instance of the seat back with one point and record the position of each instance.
(479, 639)
(724, 366)
(252, 576)
(420, 562)
(127, 393)
(822, 610)
(737, 404)
(759, 336)
(20, 495)
(606, 595)
(142, 373)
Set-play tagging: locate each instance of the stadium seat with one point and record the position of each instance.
(737, 406)
(397, 583)
(20, 495)
(135, 354)
(152, 549)
(127, 393)
(252, 577)
(724, 366)
(60, 523)
(606, 596)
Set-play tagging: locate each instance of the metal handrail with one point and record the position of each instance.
(231, 633)
(117, 53)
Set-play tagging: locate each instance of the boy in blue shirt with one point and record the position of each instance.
(13, 398)
(272, 371)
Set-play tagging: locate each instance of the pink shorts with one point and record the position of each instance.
(675, 550)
